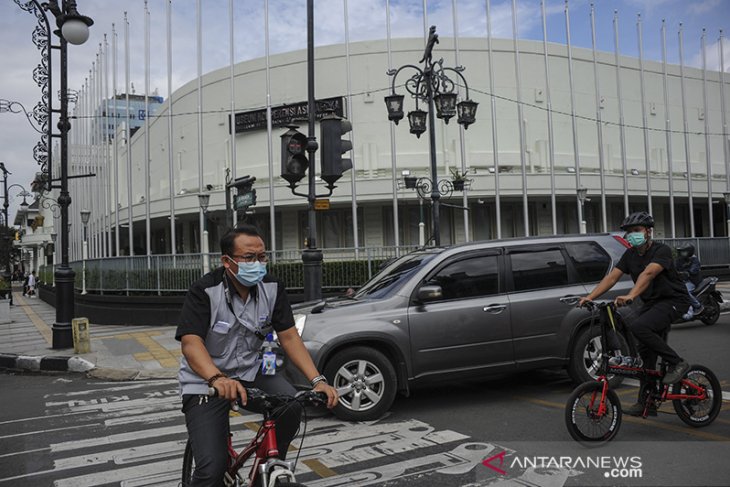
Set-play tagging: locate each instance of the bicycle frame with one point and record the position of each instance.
(264, 446)
(645, 374)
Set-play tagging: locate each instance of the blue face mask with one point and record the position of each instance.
(250, 273)
(636, 239)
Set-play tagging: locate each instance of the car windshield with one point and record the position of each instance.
(394, 275)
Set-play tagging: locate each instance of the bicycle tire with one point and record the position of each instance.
(692, 411)
(188, 466)
(580, 411)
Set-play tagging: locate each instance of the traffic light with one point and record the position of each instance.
(333, 146)
(293, 155)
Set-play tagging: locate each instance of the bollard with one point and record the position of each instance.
(81, 338)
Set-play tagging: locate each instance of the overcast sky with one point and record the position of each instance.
(287, 29)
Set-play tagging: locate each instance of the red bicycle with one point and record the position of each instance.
(267, 470)
(593, 411)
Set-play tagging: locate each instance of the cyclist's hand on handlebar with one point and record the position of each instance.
(623, 300)
(332, 396)
(582, 302)
(230, 389)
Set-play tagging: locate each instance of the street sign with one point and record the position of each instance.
(322, 204)
(244, 200)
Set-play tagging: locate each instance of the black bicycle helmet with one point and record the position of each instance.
(640, 218)
(686, 250)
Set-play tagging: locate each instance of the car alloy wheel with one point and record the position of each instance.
(360, 384)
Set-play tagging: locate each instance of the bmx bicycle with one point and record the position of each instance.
(267, 470)
(593, 411)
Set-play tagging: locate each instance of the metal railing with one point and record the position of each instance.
(712, 251)
(342, 268)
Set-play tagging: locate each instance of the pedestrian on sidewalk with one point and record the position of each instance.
(31, 284)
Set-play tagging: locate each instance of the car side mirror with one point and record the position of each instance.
(430, 293)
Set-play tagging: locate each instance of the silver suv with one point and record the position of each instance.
(473, 310)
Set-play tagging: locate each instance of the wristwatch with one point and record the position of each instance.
(318, 379)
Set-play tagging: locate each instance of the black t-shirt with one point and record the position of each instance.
(195, 316)
(666, 285)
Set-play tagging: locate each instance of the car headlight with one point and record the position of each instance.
(299, 320)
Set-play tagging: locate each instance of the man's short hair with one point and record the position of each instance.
(230, 236)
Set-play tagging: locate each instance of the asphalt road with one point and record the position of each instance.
(69, 431)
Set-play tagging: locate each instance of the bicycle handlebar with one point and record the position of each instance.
(275, 400)
(591, 305)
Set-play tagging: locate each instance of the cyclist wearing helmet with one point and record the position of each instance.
(664, 296)
(688, 266)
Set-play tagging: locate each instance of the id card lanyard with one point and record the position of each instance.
(229, 301)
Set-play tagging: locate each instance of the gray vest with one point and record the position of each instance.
(234, 340)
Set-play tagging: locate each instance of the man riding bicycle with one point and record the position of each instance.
(662, 292)
(226, 316)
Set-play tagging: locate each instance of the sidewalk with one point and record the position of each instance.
(118, 352)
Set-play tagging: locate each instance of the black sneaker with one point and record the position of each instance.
(637, 409)
(675, 372)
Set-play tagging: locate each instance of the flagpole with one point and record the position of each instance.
(462, 145)
(573, 119)
(199, 52)
(644, 120)
(599, 122)
(551, 135)
(686, 133)
(148, 243)
(170, 147)
(349, 114)
(116, 143)
(128, 133)
(726, 162)
(668, 130)
(707, 137)
(394, 174)
(520, 121)
(495, 147)
(621, 124)
(269, 134)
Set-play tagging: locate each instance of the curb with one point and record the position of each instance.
(55, 363)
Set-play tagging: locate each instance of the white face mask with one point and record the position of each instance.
(250, 273)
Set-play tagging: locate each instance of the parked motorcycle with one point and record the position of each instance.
(710, 298)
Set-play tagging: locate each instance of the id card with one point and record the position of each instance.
(268, 363)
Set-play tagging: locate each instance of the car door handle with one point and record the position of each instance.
(570, 300)
(495, 308)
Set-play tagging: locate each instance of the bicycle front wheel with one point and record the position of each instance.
(584, 420)
(693, 411)
(188, 465)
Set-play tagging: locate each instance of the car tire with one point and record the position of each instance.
(585, 356)
(366, 381)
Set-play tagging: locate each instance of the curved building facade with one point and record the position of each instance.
(613, 126)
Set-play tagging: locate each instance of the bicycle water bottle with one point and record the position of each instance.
(268, 362)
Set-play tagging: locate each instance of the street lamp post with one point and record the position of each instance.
(582, 193)
(727, 211)
(85, 214)
(432, 86)
(53, 277)
(6, 274)
(74, 29)
(204, 200)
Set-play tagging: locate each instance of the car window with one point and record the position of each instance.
(589, 259)
(468, 278)
(538, 269)
(390, 279)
